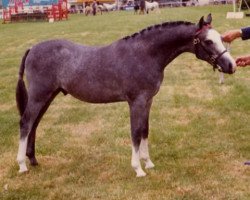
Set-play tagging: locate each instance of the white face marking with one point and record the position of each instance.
(214, 36)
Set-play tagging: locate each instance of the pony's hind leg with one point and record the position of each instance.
(32, 136)
(29, 121)
(21, 154)
(30, 152)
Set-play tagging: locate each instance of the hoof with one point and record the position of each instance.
(140, 173)
(22, 167)
(23, 170)
(247, 163)
(149, 165)
(33, 161)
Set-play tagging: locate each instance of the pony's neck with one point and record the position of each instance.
(169, 41)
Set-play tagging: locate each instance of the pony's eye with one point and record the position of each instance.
(208, 42)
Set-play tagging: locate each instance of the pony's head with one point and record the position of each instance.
(209, 47)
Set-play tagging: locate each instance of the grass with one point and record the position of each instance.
(199, 130)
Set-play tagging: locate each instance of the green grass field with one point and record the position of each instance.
(199, 129)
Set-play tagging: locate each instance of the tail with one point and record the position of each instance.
(21, 92)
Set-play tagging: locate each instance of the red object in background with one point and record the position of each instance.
(57, 11)
(6, 15)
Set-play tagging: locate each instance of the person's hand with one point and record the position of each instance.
(243, 61)
(229, 36)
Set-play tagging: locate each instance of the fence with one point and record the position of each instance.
(33, 10)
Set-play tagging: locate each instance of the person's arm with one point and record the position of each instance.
(243, 61)
(231, 35)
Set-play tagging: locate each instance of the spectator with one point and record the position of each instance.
(94, 7)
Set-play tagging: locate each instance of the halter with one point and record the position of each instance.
(213, 58)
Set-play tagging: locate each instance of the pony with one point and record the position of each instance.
(101, 8)
(89, 9)
(152, 6)
(136, 7)
(133, 74)
(142, 7)
(109, 7)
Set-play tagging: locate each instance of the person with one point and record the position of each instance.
(231, 35)
(242, 61)
(142, 6)
(136, 6)
(94, 7)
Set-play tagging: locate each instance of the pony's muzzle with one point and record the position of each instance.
(227, 64)
(232, 68)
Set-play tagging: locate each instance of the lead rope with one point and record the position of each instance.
(227, 45)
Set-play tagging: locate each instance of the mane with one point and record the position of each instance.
(157, 27)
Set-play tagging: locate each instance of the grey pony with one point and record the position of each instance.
(130, 69)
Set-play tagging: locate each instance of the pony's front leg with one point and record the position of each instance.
(139, 114)
(28, 124)
(135, 161)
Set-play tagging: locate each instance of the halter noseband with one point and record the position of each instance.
(213, 58)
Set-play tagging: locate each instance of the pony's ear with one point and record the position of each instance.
(201, 22)
(209, 19)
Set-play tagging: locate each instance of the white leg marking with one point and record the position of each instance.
(144, 154)
(135, 162)
(22, 155)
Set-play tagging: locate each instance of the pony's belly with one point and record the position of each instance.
(98, 96)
